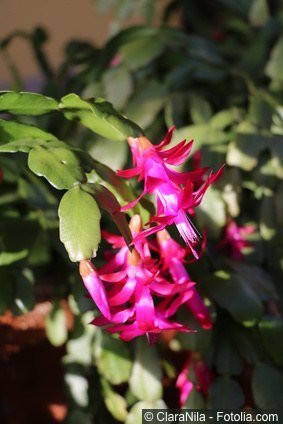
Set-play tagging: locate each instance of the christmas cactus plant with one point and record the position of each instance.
(161, 258)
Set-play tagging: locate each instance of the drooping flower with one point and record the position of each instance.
(200, 379)
(177, 193)
(234, 239)
(132, 296)
(132, 288)
(173, 256)
(95, 287)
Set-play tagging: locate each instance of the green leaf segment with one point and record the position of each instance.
(63, 166)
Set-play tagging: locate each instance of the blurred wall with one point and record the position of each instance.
(64, 19)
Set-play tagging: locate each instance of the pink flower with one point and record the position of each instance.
(115, 61)
(183, 383)
(201, 377)
(95, 287)
(132, 296)
(234, 239)
(132, 289)
(173, 256)
(176, 193)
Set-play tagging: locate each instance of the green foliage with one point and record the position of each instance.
(113, 359)
(225, 393)
(11, 131)
(79, 224)
(57, 164)
(271, 331)
(217, 77)
(145, 381)
(56, 326)
(26, 103)
(267, 386)
(99, 116)
(235, 295)
(114, 402)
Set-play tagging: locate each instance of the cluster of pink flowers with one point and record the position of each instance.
(139, 290)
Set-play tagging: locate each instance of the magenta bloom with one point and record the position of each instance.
(132, 291)
(201, 376)
(176, 193)
(173, 256)
(95, 287)
(132, 296)
(184, 384)
(234, 239)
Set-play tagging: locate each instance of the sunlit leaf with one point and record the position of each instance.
(145, 380)
(79, 224)
(26, 103)
(56, 326)
(114, 402)
(11, 131)
(57, 164)
(113, 359)
(135, 414)
(99, 116)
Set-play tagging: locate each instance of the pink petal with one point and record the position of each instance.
(133, 203)
(95, 287)
(178, 271)
(178, 154)
(145, 310)
(114, 239)
(128, 173)
(167, 138)
(116, 262)
(124, 294)
(199, 310)
(114, 277)
(173, 307)
(185, 392)
(117, 317)
(148, 232)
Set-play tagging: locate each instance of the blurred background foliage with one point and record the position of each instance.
(215, 71)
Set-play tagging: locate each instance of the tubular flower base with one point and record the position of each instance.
(176, 193)
(234, 239)
(134, 295)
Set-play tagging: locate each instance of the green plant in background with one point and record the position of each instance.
(218, 79)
